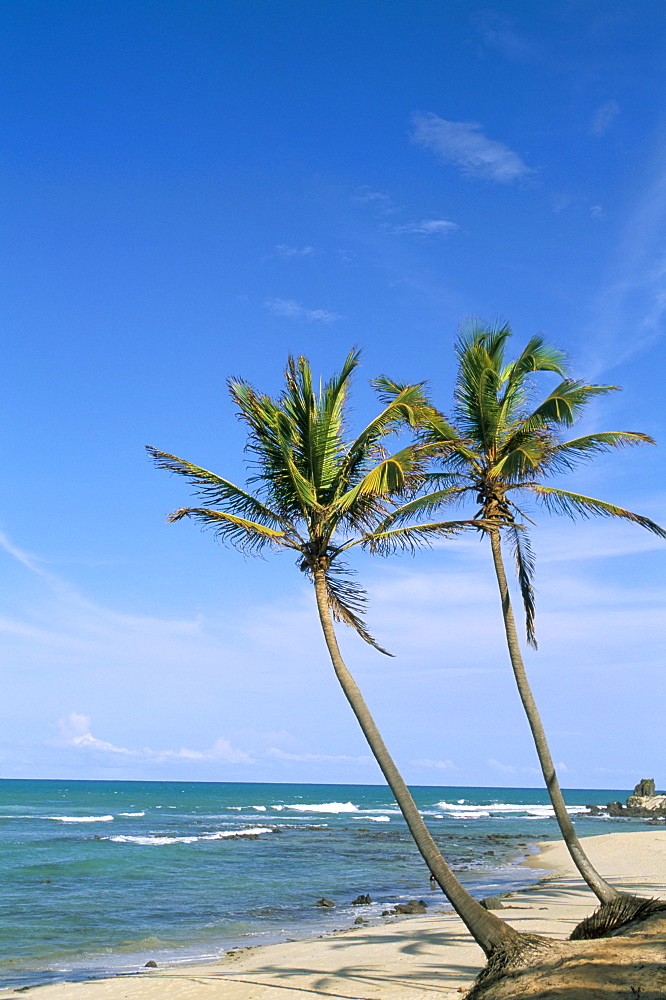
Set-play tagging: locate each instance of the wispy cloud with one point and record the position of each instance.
(286, 755)
(438, 765)
(630, 306)
(427, 227)
(603, 118)
(465, 145)
(501, 768)
(284, 250)
(290, 309)
(75, 731)
(381, 202)
(497, 32)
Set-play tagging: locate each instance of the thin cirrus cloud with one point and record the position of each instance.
(284, 250)
(285, 755)
(603, 118)
(497, 32)
(75, 731)
(290, 309)
(427, 227)
(465, 146)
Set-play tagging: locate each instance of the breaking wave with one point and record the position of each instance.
(254, 831)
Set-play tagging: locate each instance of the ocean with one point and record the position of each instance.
(99, 877)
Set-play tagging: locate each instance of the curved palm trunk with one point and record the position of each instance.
(604, 892)
(488, 930)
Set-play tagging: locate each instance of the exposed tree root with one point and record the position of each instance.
(610, 917)
(620, 967)
(516, 954)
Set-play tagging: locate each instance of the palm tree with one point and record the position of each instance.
(319, 496)
(500, 449)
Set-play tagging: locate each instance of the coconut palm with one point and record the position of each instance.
(499, 452)
(318, 496)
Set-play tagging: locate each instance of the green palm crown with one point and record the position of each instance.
(311, 490)
(501, 446)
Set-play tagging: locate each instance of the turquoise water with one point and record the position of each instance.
(99, 877)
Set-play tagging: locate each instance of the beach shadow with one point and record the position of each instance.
(435, 973)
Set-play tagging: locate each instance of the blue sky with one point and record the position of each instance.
(191, 191)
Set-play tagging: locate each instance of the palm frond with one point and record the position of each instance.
(417, 536)
(536, 357)
(216, 490)
(564, 405)
(318, 420)
(524, 559)
(423, 505)
(480, 353)
(243, 534)
(573, 504)
(347, 601)
(387, 477)
(568, 454)
(406, 409)
(522, 455)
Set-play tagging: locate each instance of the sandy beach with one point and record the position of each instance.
(404, 958)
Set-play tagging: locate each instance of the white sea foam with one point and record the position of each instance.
(533, 811)
(132, 814)
(252, 831)
(161, 841)
(325, 807)
(153, 841)
(260, 809)
(380, 819)
(81, 819)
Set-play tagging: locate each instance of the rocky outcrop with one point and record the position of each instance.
(413, 906)
(644, 803)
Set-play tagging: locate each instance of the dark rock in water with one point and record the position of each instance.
(413, 906)
(360, 920)
(593, 810)
(645, 787)
(361, 901)
(614, 808)
(324, 902)
(97, 837)
(492, 903)
(150, 965)
(388, 913)
(488, 852)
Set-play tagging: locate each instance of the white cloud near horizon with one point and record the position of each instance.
(290, 309)
(287, 755)
(438, 765)
(603, 118)
(75, 731)
(465, 146)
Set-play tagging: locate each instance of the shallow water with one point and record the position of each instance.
(98, 877)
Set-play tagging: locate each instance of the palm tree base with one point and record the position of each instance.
(614, 968)
(617, 913)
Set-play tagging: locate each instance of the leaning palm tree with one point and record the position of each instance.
(318, 496)
(501, 449)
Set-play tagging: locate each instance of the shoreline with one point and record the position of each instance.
(404, 958)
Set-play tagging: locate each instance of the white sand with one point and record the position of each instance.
(406, 958)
